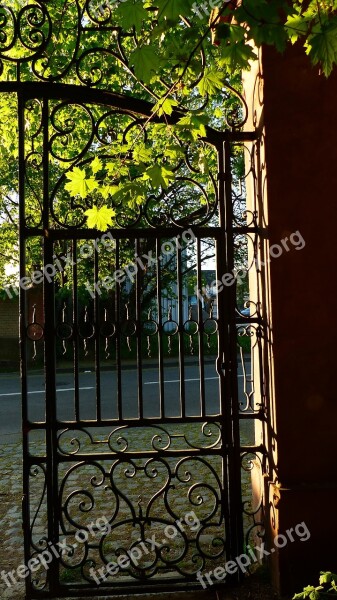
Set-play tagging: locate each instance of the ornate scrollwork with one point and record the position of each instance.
(33, 38)
(34, 331)
(154, 438)
(156, 498)
(38, 527)
(26, 34)
(253, 495)
(78, 130)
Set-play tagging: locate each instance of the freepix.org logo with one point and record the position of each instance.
(253, 556)
(99, 528)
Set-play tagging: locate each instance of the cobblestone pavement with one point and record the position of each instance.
(11, 549)
(11, 545)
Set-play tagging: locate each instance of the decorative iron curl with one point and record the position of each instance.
(249, 467)
(24, 32)
(42, 544)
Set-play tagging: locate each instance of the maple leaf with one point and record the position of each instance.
(325, 577)
(141, 154)
(194, 124)
(116, 169)
(100, 218)
(322, 47)
(159, 176)
(109, 190)
(164, 106)
(174, 151)
(237, 55)
(133, 192)
(96, 165)
(172, 9)
(296, 25)
(79, 184)
(131, 15)
(211, 81)
(145, 61)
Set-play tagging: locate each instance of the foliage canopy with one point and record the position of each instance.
(182, 57)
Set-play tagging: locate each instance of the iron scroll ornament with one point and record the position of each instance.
(79, 131)
(83, 43)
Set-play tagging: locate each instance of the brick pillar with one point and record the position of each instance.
(295, 110)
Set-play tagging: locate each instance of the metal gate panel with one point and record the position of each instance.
(141, 470)
(129, 483)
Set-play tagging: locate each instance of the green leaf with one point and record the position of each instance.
(159, 176)
(237, 56)
(164, 106)
(108, 190)
(271, 34)
(145, 61)
(237, 33)
(211, 81)
(96, 165)
(116, 169)
(131, 14)
(132, 192)
(296, 26)
(325, 577)
(312, 592)
(194, 124)
(264, 21)
(141, 154)
(100, 218)
(79, 184)
(316, 594)
(174, 151)
(172, 9)
(322, 47)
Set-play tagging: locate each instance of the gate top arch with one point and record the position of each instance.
(93, 70)
(85, 42)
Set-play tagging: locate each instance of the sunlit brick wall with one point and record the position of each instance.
(9, 318)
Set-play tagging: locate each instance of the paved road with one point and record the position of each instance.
(10, 396)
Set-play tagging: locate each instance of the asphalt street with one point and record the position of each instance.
(10, 394)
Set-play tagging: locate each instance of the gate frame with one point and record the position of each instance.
(226, 360)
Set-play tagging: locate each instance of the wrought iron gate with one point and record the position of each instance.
(138, 476)
(133, 459)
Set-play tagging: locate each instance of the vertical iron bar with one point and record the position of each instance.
(97, 337)
(76, 333)
(23, 339)
(181, 332)
(201, 333)
(221, 268)
(139, 331)
(50, 396)
(160, 332)
(50, 362)
(118, 337)
(234, 454)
